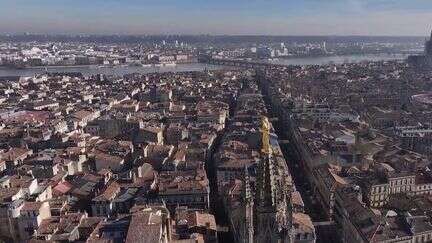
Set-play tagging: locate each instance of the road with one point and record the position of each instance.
(222, 219)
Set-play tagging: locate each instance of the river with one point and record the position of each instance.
(121, 70)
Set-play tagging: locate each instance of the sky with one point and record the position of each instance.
(231, 17)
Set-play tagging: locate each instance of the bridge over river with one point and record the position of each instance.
(237, 63)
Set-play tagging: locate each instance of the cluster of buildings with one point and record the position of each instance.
(172, 157)
(20, 55)
(361, 134)
(272, 51)
(110, 159)
(309, 48)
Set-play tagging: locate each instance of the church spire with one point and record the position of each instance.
(265, 139)
(248, 191)
(273, 210)
(266, 198)
(249, 209)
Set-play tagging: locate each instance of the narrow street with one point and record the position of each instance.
(216, 203)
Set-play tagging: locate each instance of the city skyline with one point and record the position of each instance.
(257, 17)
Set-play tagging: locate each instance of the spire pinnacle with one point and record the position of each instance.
(265, 130)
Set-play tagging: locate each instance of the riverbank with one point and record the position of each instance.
(121, 70)
(101, 66)
(88, 70)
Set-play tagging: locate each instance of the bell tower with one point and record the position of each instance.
(273, 221)
(266, 212)
(428, 47)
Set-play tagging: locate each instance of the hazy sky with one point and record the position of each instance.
(276, 17)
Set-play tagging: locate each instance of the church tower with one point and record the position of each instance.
(272, 210)
(428, 47)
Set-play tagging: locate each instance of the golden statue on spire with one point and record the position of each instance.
(265, 130)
